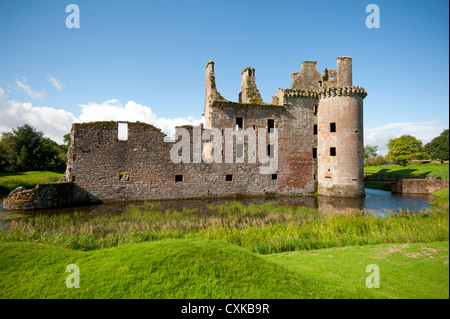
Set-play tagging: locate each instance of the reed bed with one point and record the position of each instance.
(266, 228)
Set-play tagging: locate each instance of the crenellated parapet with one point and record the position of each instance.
(301, 93)
(342, 91)
(328, 92)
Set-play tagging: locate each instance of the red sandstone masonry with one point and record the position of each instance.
(102, 167)
(98, 160)
(145, 157)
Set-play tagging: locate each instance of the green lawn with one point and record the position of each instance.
(411, 168)
(409, 270)
(10, 181)
(192, 268)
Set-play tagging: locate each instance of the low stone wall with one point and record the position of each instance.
(50, 195)
(419, 186)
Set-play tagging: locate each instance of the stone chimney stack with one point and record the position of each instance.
(211, 93)
(344, 71)
(249, 92)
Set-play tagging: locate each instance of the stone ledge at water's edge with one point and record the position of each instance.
(43, 196)
(419, 186)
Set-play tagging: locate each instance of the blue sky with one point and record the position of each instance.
(145, 60)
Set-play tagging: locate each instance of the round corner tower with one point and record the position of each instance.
(340, 144)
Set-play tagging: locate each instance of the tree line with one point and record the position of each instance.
(26, 149)
(405, 148)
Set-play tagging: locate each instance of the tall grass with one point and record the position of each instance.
(265, 228)
(441, 198)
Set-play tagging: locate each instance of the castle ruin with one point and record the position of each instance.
(317, 124)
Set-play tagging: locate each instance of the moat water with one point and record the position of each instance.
(375, 199)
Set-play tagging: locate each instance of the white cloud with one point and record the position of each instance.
(113, 110)
(56, 83)
(424, 131)
(55, 123)
(27, 89)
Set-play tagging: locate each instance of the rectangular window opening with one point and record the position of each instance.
(122, 131)
(332, 151)
(315, 129)
(332, 127)
(239, 123)
(270, 125)
(314, 109)
(239, 150)
(228, 177)
(124, 176)
(274, 177)
(314, 152)
(270, 151)
(178, 178)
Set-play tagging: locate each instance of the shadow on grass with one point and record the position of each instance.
(11, 174)
(401, 171)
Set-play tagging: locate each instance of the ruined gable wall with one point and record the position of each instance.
(97, 157)
(308, 78)
(294, 121)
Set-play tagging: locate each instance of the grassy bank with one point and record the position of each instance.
(192, 268)
(441, 198)
(234, 251)
(263, 229)
(10, 181)
(411, 168)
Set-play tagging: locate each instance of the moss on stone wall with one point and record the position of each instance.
(104, 125)
(245, 105)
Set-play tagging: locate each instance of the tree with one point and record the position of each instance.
(3, 161)
(438, 148)
(25, 149)
(404, 149)
(370, 151)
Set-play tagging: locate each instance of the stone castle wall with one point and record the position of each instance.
(141, 167)
(103, 166)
